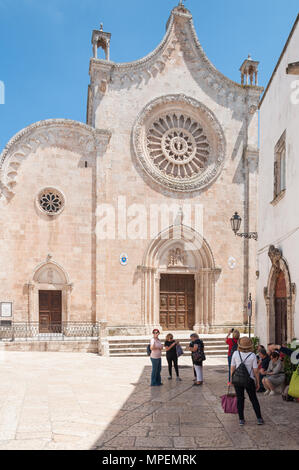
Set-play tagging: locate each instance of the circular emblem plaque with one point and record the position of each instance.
(232, 263)
(124, 259)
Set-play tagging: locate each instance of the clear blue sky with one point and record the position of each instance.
(46, 46)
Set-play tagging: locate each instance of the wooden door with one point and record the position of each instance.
(50, 311)
(281, 325)
(177, 302)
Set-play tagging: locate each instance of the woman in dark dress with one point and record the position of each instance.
(197, 345)
(171, 356)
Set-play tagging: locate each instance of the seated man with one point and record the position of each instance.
(264, 364)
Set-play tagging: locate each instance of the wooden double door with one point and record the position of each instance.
(50, 311)
(177, 302)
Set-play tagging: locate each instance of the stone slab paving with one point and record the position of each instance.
(65, 401)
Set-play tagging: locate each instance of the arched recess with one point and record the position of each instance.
(179, 250)
(49, 276)
(279, 271)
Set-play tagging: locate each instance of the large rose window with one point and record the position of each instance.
(179, 143)
(177, 146)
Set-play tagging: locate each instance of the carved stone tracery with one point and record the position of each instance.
(179, 143)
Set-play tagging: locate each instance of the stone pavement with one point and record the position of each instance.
(82, 401)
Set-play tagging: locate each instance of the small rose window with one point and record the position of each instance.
(50, 201)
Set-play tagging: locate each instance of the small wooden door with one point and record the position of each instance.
(177, 302)
(50, 311)
(281, 323)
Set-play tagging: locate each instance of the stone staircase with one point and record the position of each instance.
(127, 346)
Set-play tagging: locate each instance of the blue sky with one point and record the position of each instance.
(46, 46)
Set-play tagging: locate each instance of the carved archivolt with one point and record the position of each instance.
(279, 264)
(179, 143)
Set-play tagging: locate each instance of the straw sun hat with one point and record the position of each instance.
(245, 344)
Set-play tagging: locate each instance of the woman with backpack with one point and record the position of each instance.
(245, 376)
(232, 347)
(198, 356)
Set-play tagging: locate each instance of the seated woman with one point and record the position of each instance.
(275, 375)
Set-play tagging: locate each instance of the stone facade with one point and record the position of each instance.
(166, 132)
(278, 193)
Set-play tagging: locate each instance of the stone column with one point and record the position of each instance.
(68, 292)
(102, 140)
(156, 301)
(198, 327)
(30, 301)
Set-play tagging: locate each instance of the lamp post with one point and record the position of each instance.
(236, 224)
(249, 312)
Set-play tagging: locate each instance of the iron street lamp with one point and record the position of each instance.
(236, 224)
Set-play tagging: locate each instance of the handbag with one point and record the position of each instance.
(294, 384)
(229, 403)
(179, 350)
(199, 355)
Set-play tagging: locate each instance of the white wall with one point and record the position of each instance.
(279, 224)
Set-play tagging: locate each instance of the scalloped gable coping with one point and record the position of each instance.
(21, 143)
(148, 61)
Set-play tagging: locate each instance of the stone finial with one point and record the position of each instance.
(249, 72)
(101, 39)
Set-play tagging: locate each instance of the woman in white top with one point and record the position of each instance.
(156, 353)
(246, 355)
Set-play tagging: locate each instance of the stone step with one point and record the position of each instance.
(137, 346)
(143, 348)
(147, 340)
(212, 344)
(139, 354)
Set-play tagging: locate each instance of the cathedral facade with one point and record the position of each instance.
(125, 220)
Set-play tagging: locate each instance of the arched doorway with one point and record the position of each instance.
(280, 295)
(178, 282)
(281, 317)
(49, 297)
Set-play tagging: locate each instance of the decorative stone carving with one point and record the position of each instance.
(179, 143)
(177, 146)
(275, 255)
(176, 257)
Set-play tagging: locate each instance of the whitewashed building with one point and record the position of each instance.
(278, 247)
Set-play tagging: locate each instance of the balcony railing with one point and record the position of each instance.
(34, 331)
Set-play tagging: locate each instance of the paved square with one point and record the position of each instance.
(83, 401)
